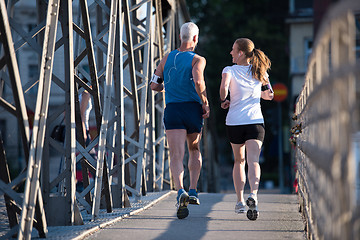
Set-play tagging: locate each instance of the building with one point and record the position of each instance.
(300, 23)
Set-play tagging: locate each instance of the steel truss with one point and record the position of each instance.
(130, 38)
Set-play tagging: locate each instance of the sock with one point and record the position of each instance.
(193, 192)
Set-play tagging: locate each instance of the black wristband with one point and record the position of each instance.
(222, 101)
(264, 87)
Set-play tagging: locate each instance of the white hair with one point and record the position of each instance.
(188, 31)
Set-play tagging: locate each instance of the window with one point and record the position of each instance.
(33, 75)
(31, 26)
(357, 41)
(3, 130)
(307, 50)
(33, 71)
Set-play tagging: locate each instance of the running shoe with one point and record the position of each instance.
(240, 207)
(193, 197)
(182, 202)
(252, 213)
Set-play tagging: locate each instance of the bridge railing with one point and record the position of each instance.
(110, 49)
(326, 130)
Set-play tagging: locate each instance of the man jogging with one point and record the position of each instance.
(181, 74)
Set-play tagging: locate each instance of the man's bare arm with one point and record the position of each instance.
(199, 64)
(159, 72)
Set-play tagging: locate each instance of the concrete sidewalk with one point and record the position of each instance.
(89, 227)
(213, 219)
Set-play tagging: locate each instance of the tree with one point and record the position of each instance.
(221, 22)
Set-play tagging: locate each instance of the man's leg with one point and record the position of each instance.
(194, 165)
(195, 159)
(176, 140)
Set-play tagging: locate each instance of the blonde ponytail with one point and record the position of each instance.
(259, 61)
(260, 65)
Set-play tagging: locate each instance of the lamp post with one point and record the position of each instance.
(280, 94)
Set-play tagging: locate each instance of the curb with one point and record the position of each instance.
(103, 225)
(89, 227)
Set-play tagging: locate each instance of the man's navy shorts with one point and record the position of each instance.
(185, 115)
(239, 134)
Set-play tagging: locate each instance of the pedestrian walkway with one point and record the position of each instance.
(89, 227)
(213, 219)
(155, 218)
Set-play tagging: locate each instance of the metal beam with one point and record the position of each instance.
(23, 123)
(32, 189)
(130, 141)
(106, 111)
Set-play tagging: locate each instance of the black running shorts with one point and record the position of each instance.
(239, 134)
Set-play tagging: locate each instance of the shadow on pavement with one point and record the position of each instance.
(195, 225)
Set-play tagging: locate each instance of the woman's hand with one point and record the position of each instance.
(225, 105)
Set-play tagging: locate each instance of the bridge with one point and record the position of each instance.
(109, 49)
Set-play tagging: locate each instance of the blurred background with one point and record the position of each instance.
(269, 25)
(283, 29)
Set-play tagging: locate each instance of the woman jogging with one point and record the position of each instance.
(247, 81)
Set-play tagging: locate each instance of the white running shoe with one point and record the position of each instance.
(240, 207)
(252, 202)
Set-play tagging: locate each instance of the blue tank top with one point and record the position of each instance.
(178, 79)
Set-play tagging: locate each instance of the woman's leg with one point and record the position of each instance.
(253, 148)
(239, 176)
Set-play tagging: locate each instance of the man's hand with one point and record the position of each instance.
(206, 111)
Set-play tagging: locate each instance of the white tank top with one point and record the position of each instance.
(245, 94)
